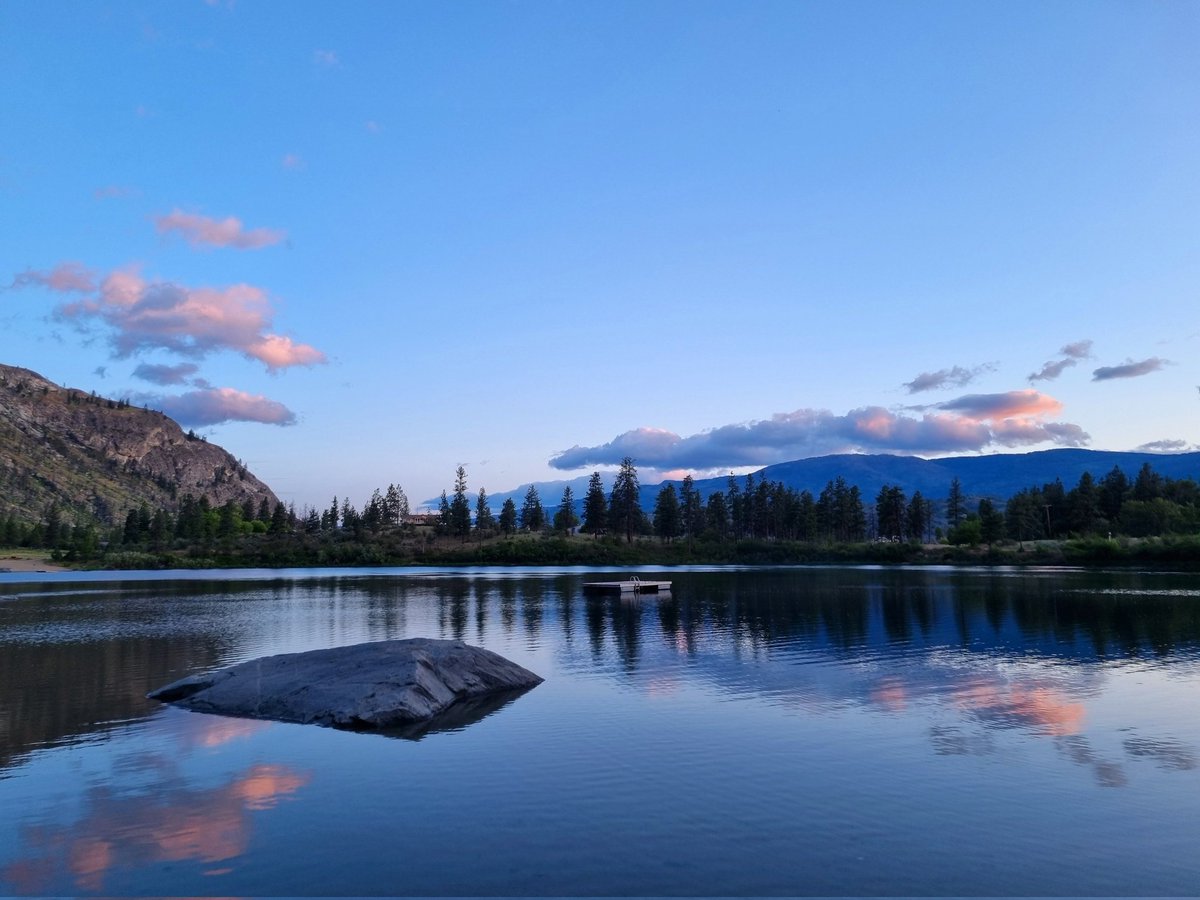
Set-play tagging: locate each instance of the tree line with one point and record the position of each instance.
(748, 508)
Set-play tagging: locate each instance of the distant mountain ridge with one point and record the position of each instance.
(98, 458)
(997, 476)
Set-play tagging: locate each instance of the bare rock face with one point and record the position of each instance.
(378, 685)
(98, 457)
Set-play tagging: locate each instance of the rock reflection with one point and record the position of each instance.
(172, 823)
(459, 716)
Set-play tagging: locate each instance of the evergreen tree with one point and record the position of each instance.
(161, 528)
(11, 536)
(445, 518)
(1148, 485)
(855, 515)
(806, 516)
(230, 519)
(915, 518)
(533, 516)
(565, 518)
(351, 520)
(281, 519)
(1083, 505)
(1054, 507)
(595, 507)
(737, 509)
(395, 506)
(1114, 488)
(373, 513)
(889, 512)
(623, 507)
(691, 509)
(666, 513)
(991, 522)
(508, 516)
(460, 508)
(53, 531)
(955, 504)
(484, 520)
(716, 514)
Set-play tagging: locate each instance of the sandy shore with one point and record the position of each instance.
(28, 564)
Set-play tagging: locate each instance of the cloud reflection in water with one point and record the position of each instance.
(161, 819)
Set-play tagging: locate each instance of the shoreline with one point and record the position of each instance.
(30, 564)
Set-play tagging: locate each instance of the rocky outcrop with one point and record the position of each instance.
(98, 458)
(378, 685)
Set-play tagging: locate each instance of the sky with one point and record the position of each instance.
(362, 244)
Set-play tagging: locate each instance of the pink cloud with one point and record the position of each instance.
(985, 407)
(189, 321)
(202, 231)
(66, 277)
(279, 352)
(969, 423)
(216, 405)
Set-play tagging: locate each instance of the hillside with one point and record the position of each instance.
(99, 458)
(997, 476)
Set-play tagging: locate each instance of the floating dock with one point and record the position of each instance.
(634, 585)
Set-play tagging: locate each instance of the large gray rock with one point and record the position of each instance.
(379, 685)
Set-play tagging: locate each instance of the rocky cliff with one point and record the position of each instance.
(98, 458)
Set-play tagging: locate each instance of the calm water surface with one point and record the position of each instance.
(782, 731)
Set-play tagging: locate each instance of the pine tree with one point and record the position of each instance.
(460, 508)
(691, 509)
(991, 522)
(716, 514)
(623, 507)
(1083, 504)
(373, 513)
(889, 511)
(666, 513)
(955, 504)
(281, 519)
(533, 516)
(351, 520)
(484, 520)
(565, 518)
(1114, 488)
(395, 506)
(508, 516)
(914, 518)
(595, 507)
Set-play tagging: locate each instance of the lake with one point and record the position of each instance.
(820, 731)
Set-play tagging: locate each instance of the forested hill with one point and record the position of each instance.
(998, 476)
(97, 458)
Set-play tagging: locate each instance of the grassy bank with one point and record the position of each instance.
(283, 551)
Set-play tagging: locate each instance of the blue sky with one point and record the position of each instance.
(363, 244)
